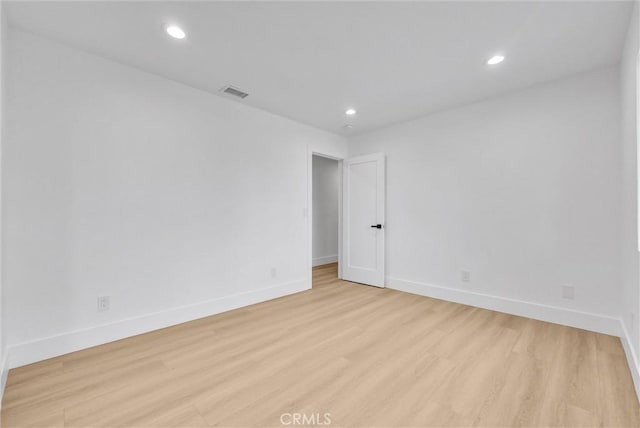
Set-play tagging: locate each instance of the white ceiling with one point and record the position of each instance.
(307, 61)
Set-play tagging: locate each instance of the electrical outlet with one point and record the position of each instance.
(274, 272)
(465, 275)
(103, 303)
(568, 292)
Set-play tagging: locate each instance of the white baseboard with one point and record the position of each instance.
(53, 346)
(632, 358)
(325, 260)
(584, 320)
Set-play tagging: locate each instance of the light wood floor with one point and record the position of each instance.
(370, 357)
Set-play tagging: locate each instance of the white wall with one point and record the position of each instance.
(3, 354)
(325, 210)
(521, 190)
(630, 280)
(175, 202)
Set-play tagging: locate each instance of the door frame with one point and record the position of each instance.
(309, 211)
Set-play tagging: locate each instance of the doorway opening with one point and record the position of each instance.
(325, 215)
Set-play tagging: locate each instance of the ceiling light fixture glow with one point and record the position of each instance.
(350, 112)
(175, 31)
(496, 59)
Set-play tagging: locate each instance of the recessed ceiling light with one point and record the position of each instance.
(350, 112)
(496, 59)
(175, 31)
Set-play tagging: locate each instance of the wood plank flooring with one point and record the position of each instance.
(369, 357)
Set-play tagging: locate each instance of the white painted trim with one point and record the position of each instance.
(632, 358)
(49, 347)
(584, 320)
(319, 261)
(340, 219)
(308, 211)
(4, 373)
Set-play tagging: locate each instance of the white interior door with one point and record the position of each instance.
(363, 216)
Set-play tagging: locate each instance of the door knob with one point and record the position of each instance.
(377, 226)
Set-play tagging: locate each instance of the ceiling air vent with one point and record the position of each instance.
(230, 90)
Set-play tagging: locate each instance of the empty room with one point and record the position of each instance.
(319, 214)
